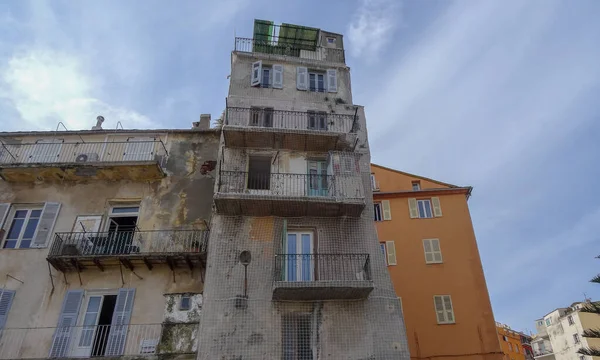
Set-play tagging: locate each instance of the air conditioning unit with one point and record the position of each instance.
(87, 157)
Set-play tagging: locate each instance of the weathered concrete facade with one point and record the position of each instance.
(111, 198)
(317, 285)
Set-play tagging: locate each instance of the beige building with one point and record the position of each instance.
(103, 241)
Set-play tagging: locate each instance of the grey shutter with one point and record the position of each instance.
(6, 298)
(46, 224)
(331, 80)
(66, 323)
(4, 208)
(256, 73)
(118, 326)
(278, 76)
(301, 78)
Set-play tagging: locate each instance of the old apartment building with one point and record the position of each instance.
(515, 344)
(293, 195)
(425, 232)
(103, 241)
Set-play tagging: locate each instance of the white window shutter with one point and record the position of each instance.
(387, 210)
(301, 78)
(437, 251)
(45, 225)
(412, 207)
(390, 247)
(66, 324)
(439, 309)
(331, 80)
(115, 345)
(256, 73)
(428, 252)
(6, 298)
(278, 76)
(4, 208)
(449, 310)
(437, 208)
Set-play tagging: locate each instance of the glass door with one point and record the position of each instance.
(87, 330)
(317, 178)
(299, 257)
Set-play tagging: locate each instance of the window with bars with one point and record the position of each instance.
(443, 309)
(297, 336)
(433, 252)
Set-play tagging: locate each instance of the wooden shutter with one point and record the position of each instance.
(390, 248)
(66, 322)
(278, 76)
(412, 207)
(437, 251)
(45, 225)
(4, 208)
(437, 208)
(439, 309)
(256, 73)
(387, 210)
(301, 78)
(428, 251)
(6, 298)
(117, 336)
(331, 80)
(448, 308)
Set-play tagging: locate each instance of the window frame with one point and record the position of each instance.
(433, 252)
(548, 321)
(417, 187)
(570, 320)
(576, 338)
(11, 217)
(189, 305)
(510, 348)
(383, 250)
(377, 205)
(316, 75)
(425, 201)
(317, 117)
(268, 69)
(445, 310)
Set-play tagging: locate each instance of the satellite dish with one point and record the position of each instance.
(245, 257)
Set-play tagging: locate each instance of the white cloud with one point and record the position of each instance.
(46, 87)
(373, 24)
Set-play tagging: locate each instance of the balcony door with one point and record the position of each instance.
(94, 326)
(85, 232)
(299, 257)
(317, 178)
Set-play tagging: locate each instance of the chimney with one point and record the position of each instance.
(99, 121)
(203, 124)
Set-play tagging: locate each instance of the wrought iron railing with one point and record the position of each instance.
(291, 185)
(83, 152)
(290, 120)
(322, 267)
(98, 340)
(278, 46)
(129, 243)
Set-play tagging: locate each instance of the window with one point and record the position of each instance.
(6, 299)
(316, 82)
(416, 185)
(548, 322)
(424, 207)
(377, 211)
(581, 357)
(374, 185)
(540, 323)
(297, 336)
(517, 348)
(433, 252)
(259, 173)
(382, 248)
(443, 309)
(330, 40)
(22, 224)
(185, 303)
(504, 338)
(262, 117)
(317, 120)
(299, 259)
(576, 338)
(509, 347)
(570, 320)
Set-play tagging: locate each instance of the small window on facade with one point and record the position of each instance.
(331, 40)
(266, 79)
(374, 185)
(317, 120)
(416, 185)
(377, 211)
(316, 81)
(570, 320)
(504, 338)
(382, 248)
(517, 348)
(297, 336)
(576, 338)
(548, 322)
(433, 252)
(21, 224)
(443, 309)
(186, 303)
(424, 207)
(259, 173)
(261, 117)
(509, 347)
(581, 357)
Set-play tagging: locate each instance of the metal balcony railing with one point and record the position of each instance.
(98, 340)
(291, 185)
(158, 242)
(83, 152)
(290, 120)
(322, 267)
(278, 46)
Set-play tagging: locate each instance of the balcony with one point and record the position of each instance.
(322, 277)
(98, 341)
(293, 130)
(77, 251)
(60, 161)
(279, 194)
(279, 47)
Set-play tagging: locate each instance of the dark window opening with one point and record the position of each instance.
(261, 117)
(317, 120)
(316, 82)
(377, 212)
(121, 231)
(104, 321)
(259, 173)
(297, 337)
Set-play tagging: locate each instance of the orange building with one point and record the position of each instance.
(425, 232)
(510, 341)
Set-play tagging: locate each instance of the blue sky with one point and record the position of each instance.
(500, 95)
